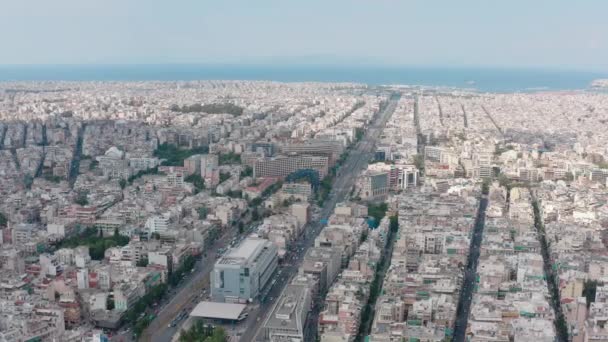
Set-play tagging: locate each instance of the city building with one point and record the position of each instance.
(244, 271)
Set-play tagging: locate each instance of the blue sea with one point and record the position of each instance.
(482, 79)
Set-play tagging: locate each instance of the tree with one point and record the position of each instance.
(93, 165)
(197, 181)
(234, 194)
(589, 290)
(419, 162)
(81, 198)
(53, 179)
(174, 156)
(241, 226)
(569, 176)
(224, 177)
(143, 262)
(255, 202)
(359, 134)
(377, 211)
(229, 158)
(202, 213)
(3, 220)
(28, 180)
(485, 186)
(504, 182)
(394, 223)
(109, 303)
(199, 332)
(122, 183)
(247, 172)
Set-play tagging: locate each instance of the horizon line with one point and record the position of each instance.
(333, 65)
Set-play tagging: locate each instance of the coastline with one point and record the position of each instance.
(494, 80)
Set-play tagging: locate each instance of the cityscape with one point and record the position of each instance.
(266, 211)
(304, 171)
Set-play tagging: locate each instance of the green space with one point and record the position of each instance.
(139, 174)
(81, 197)
(197, 181)
(272, 189)
(212, 108)
(376, 287)
(359, 133)
(589, 290)
(143, 262)
(377, 211)
(177, 275)
(53, 179)
(235, 193)
(199, 332)
(93, 165)
(229, 158)
(91, 236)
(342, 158)
(419, 162)
(247, 172)
(28, 180)
(174, 156)
(136, 314)
(324, 189)
(224, 176)
(3, 220)
(214, 234)
(202, 212)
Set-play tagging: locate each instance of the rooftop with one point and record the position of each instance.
(246, 249)
(218, 310)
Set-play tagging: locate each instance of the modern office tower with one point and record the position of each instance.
(244, 271)
(282, 166)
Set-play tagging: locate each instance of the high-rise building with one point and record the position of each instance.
(282, 166)
(324, 148)
(192, 164)
(209, 163)
(243, 272)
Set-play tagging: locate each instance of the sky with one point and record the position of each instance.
(466, 33)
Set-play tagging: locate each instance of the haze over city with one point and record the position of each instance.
(519, 33)
(333, 171)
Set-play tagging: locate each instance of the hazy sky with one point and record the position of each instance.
(520, 33)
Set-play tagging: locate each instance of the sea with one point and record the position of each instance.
(480, 79)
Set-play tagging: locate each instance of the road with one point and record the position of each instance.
(75, 164)
(561, 327)
(185, 294)
(158, 331)
(469, 281)
(357, 159)
(184, 297)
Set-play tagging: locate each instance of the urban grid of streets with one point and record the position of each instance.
(87, 199)
(186, 295)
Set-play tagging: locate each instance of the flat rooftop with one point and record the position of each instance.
(215, 310)
(247, 248)
(289, 310)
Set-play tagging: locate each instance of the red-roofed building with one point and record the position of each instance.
(262, 184)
